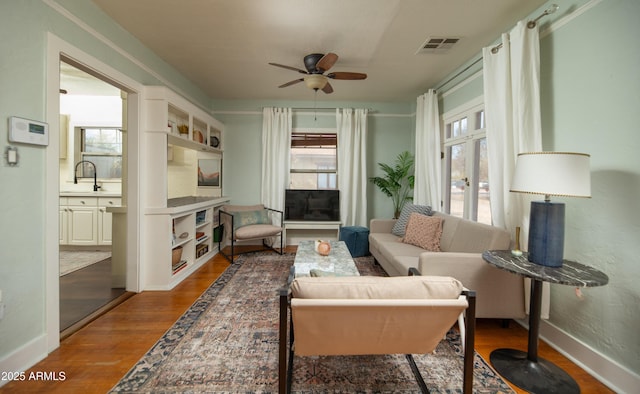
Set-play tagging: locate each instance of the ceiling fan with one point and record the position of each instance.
(316, 65)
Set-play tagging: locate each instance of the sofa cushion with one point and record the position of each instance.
(375, 287)
(246, 218)
(424, 231)
(460, 235)
(257, 231)
(408, 208)
(392, 249)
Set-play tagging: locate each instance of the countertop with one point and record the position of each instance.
(99, 193)
(185, 204)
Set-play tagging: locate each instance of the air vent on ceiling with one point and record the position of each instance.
(438, 44)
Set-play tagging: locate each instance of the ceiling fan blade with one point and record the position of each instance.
(289, 68)
(327, 88)
(326, 62)
(346, 75)
(295, 81)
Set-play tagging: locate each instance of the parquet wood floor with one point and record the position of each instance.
(95, 358)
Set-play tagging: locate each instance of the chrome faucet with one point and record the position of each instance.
(95, 174)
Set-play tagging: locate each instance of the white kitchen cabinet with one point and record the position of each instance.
(105, 225)
(82, 222)
(85, 221)
(105, 220)
(63, 229)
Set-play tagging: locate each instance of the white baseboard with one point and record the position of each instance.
(613, 375)
(24, 357)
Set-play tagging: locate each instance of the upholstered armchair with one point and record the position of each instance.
(372, 315)
(249, 223)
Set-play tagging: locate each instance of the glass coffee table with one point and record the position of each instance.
(338, 263)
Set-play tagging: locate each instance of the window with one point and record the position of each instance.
(102, 147)
(466, 165)
(313, 161)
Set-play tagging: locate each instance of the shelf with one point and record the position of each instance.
(165, 115)
(186, 143)
(180, 242)
(198, 225)
(178, 267)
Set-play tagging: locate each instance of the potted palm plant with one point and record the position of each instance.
(397, 182)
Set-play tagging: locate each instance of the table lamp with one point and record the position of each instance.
(551, 174)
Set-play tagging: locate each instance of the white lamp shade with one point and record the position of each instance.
(553, 173)
(315, 81)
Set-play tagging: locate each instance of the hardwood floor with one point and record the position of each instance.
(95, 358)
(86, 291)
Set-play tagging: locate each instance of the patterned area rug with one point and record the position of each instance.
(71, 260)
(228, 342)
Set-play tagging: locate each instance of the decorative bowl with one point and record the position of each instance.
(323, 248)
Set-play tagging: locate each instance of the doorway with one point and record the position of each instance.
(466, 165)
(92, 152)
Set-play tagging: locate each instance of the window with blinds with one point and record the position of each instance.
(313, 161)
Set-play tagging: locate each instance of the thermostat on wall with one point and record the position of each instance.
(28, 131)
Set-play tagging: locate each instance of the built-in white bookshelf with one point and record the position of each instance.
(182, 226)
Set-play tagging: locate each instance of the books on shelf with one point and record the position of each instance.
(178, 266)
(201, 250)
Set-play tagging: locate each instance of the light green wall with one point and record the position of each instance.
(589, 102)
(390, 131)
(24, 26)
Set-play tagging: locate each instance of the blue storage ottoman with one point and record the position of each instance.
(357, 240)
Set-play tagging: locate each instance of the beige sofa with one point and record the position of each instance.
(500, 294)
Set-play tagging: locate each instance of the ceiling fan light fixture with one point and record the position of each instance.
(315, 81)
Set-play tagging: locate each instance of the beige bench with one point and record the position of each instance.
(372, 315)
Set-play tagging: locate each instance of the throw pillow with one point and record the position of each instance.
(246, 218)
(407, 210)
(424, 231)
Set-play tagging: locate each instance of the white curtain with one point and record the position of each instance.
(352, 165)
(428, 175)
(276, 143)
(512, 107)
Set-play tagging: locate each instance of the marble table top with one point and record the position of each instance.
(571, 273)
(338, 262)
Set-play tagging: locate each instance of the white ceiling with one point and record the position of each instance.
(223, 46)
(74, 81)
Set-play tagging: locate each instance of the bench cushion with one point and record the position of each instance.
(374, 287)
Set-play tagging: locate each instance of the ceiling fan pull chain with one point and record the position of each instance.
(315, 105)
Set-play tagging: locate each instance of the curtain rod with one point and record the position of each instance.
(322, 109)
(530, 25)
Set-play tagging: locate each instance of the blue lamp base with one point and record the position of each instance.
(546, 233)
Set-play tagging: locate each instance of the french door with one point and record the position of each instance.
(466, 191)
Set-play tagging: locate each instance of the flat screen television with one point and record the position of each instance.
(312, 205)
